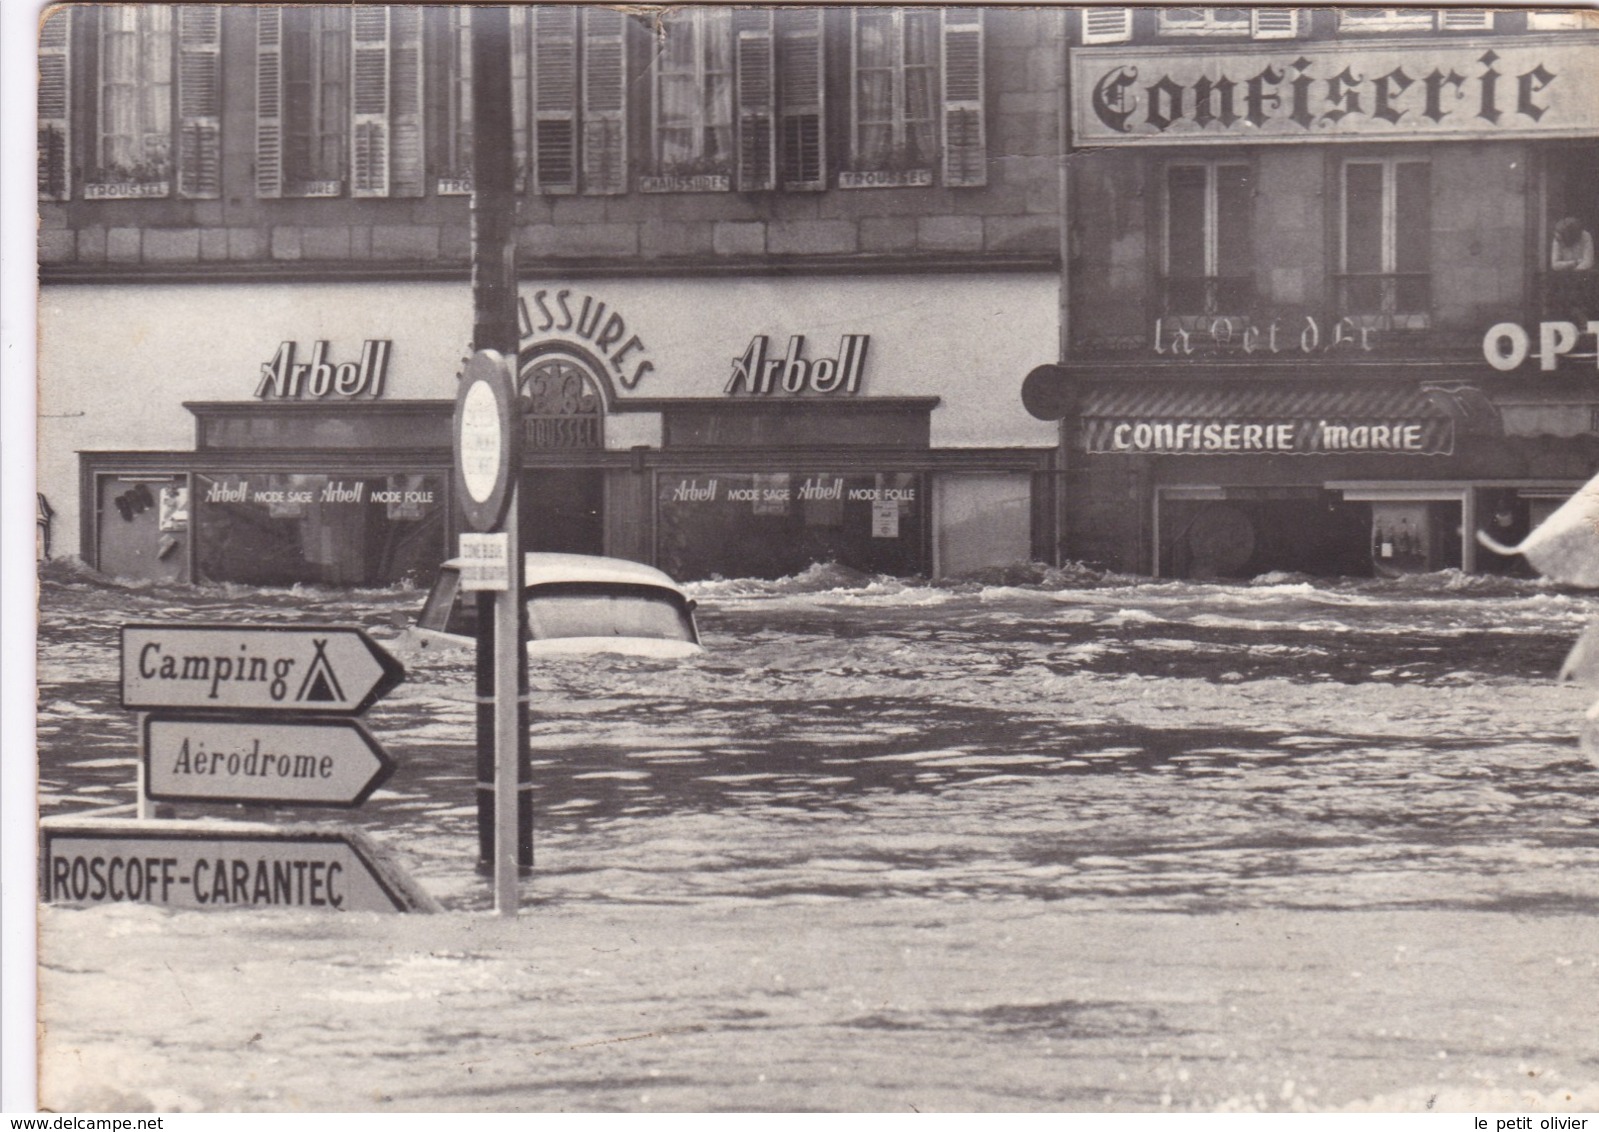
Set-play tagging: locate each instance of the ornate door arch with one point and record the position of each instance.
(562, 405)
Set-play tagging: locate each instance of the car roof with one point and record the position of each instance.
(541, 568)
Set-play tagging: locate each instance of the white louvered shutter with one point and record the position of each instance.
(407, 161)
(965, 139)
(55, 106)
(604, 101)
(554, 85)
(1274, 23)
(369, 102)
(799, 98)
(269, 102)
(1467, 19)
(755, 90)
(1107, 25)
(199, 101)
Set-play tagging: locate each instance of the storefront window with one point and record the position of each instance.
(275, 529)
(770, 525)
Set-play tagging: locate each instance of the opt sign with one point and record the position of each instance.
(222, 866)
(313, 762)
(486, 436)
(330, 670)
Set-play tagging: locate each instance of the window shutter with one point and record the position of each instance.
(757, 96)
(1274, 23)
(965, 143)
(55, 106)
(369, 102)
(1467, 19)
(199, 101)
(269, 102)
(406, 161)
(1107, 25)
(604, 101)
(554, 88)
(799, 97)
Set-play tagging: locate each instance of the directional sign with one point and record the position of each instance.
(222, 866)
(322, 669)
(303, 762)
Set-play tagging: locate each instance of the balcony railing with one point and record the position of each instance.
(1400, 300)
(1568, 296)
(1207, 296)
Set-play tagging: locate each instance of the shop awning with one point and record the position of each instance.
(1182, 418)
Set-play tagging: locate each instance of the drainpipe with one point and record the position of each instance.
(1067, 423)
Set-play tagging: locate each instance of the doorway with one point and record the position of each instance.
(562, 510)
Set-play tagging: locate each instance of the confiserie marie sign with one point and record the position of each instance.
(1312, 92)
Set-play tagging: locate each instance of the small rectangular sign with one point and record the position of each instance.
(222, 866)
(485, 562)
(885, 519)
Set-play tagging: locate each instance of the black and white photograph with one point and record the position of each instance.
(791, 558)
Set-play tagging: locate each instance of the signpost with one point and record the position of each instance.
(326, 669)
(200, 758)
(222, 865)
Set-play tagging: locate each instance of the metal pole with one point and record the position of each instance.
(494, 328)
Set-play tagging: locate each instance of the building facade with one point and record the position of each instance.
(779, 269)
(1317, 315)
(1183, 291)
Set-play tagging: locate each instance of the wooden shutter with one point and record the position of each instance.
(1274, 23)
(199, 101)
(407, 163)
(799, 97)
(369, 102)
(554, 86)
(1107, 25)
(55, 105)
(269, 102)
(604, 101)
(1467, 19)
(965, 139)
(755, 90)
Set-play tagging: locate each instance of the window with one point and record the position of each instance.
(133, 142)
(1384, 19)
(570, 127)
(916, 85)
(1562, 20)
(1387, 243)
(1204, 21)
(338, 101)
(55, 105)
(455, 176)
(692, 135)
(1208, 243)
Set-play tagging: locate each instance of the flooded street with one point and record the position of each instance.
(1067, 843)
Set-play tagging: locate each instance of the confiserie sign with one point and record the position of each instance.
(1303, 92)
(1263, 437)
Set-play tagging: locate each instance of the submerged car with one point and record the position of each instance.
(576, 604)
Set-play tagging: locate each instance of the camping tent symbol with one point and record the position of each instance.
(320, 684)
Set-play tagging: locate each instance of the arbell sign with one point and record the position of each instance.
(1280, 93)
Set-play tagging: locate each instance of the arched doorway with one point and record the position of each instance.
(562, 493)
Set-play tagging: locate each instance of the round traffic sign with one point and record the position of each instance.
(485, 439)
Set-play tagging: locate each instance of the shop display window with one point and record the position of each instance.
(274, 529)
(774, 524)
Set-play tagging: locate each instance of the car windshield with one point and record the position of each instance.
(571, 609)
(579, 610)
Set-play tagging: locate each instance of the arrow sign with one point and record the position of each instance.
(323, 669)
(222, 866)
(312, 762)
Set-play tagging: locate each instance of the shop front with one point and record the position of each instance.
(712, 427)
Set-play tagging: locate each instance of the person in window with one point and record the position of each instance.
(1571, 270)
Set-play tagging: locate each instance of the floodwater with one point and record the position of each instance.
(906, 796)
